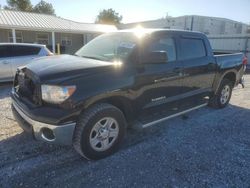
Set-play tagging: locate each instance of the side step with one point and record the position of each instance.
(139, 125)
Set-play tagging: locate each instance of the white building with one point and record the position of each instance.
(207, 25)
(25, 27)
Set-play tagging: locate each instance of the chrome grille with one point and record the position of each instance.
(26, 87)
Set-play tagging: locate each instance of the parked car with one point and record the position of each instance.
(123, 78)
(13, 55)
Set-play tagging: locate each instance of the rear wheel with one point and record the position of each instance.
(99, 131)
(223, 95)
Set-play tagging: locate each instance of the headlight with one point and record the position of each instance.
(56, 94)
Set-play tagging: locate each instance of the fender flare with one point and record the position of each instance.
(219, 77)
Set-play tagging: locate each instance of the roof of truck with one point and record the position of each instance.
(22, 44)
(156, 30)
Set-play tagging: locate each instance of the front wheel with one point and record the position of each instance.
(223, 95)
(99, 131)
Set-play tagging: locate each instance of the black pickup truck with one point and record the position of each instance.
(127, 78)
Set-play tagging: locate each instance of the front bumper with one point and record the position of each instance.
(59, 134)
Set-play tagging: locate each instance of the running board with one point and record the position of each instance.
(142, 126)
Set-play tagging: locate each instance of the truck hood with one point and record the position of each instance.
(64, 67)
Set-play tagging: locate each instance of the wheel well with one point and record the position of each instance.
(230, 76)
(123, 104)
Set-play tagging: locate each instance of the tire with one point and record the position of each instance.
(216, 101)
(92, 139)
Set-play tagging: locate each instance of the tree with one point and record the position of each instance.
(25, 5)
(21, 5)
(44, 7)
(109, 16)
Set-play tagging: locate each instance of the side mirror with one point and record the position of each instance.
(154, 57)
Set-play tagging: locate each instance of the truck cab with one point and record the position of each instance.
(127, 78)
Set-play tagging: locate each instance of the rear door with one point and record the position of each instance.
(5, 63)
(159, 83)
(22, 55)
(198, 66)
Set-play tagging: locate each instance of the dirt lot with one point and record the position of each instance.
(210, 148)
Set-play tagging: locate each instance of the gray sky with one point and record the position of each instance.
(139, 10)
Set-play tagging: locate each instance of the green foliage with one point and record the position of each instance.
(21, 5)
(25, 5)
(109, 16)
(44, 7)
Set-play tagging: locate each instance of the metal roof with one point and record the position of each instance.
(42, 22)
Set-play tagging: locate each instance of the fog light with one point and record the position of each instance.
(47, 134)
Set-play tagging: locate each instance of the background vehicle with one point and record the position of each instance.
(13, 55)
(143, 76)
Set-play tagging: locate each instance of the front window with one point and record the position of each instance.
(110, 47)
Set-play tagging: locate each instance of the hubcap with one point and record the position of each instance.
(103, 134)
(225, 94)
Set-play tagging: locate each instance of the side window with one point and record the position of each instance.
(166, 44)
(192, 48)
(24, 50)
(5, 51)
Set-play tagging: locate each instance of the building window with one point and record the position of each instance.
(66, 40)
(42, 38)
(19, 37)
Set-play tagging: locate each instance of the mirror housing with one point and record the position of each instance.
(154, 57)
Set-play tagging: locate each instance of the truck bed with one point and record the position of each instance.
(228, 60)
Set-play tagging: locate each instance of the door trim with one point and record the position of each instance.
(165, 100)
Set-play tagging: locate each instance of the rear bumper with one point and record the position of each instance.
(59, 134)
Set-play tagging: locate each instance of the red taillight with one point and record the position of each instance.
(244, 61)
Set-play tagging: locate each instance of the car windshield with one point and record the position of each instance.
(109, 47)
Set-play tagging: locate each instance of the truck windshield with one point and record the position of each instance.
(109, 47)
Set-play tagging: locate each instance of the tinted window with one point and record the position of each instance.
(192, 48)
(24, 50)
(166, 45)
(5, 51)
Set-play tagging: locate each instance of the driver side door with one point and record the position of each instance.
(159, 83)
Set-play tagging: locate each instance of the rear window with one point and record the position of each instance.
(25, 50)
(192, 48)
(5, 51)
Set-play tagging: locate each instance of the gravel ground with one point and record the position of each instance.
(209, 148)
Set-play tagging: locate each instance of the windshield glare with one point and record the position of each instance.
(109, 47)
